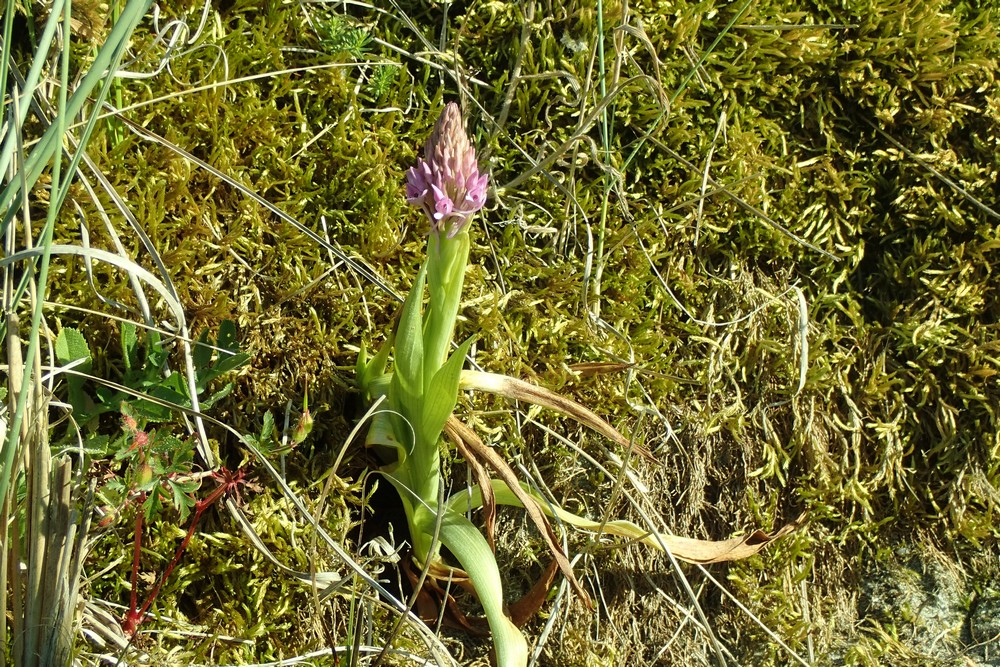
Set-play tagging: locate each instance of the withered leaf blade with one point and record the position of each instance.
(525, 609)
(683, 548)
(688, 549)
(481, 475)
(710, 551)
(519, 390)
(479, 449)
(591, 368)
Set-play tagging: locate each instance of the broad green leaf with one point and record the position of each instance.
(228, 361)
(442, 393)
(167, 393)
(473, 552)
(398, 402)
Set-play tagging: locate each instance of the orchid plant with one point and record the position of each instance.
(421, 391)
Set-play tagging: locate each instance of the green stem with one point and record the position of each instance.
(446, 262)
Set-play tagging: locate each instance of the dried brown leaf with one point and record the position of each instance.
(520, 390)
(479, 449)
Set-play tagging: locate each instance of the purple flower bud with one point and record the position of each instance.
(446, 182)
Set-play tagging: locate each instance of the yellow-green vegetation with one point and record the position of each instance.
(758, 237)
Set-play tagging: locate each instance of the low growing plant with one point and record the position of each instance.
(158, 475)
(422, 390)
(145, 373)
(155, 469)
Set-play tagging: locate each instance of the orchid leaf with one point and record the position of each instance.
(469, 546)
(406, 386)
(368, 370)
(442, 393)
(382, 433)
(409, 344)
(361, 365)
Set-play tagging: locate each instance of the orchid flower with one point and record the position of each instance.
(422, 390)
(446, 183)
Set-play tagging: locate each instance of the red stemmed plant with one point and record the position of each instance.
(159, 472)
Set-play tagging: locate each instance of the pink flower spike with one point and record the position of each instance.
(446, 182)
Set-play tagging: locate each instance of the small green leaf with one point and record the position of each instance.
(266, 440)
(228, 357)
(151, 412)
(153, 504)
(72, 346)
(267, 430)
(130, 345)
(201, 355)
(228, 361)
(227, 339)
(214, 398)
(182, 500)
(175, 384)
